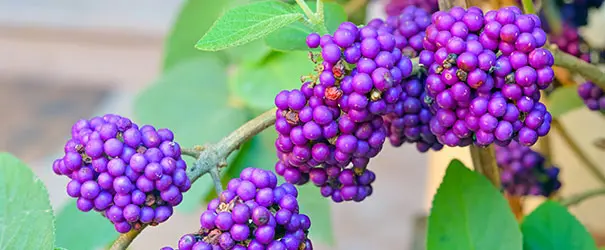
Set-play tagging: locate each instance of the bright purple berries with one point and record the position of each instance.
(133, 176)
(570, 41)
(523, 171)
(265, 217)
(485, 76)
(409, 120)
(592, 95)
(395, 7)
(334, 123)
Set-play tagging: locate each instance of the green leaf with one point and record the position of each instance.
(563, 100)
(60, 248)
(250, 53)
(552, 227)
(194, 19)
(318, 209)
(257, 85)
(74, 229)
(293, 36)
(193, 101)
(469, 213)
(26, 217)
(247, 23)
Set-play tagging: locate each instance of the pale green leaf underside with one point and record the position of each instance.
(247, 23)
(552, 227)
(74, 229)
(469, 213)
(26, 217)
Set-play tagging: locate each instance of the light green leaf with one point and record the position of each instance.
(469, 213)
(247, 23)
(293, 36)
(60, 248)
(552, 227)
(257, 85)
(563, 100)
(26, 217)
(194, 19)
(191, 99)
(318, 209)
(74, 229)
(250, 53)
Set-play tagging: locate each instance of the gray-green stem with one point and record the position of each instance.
(594, 169)
(578, 198)
(574, 64)
(484, 162)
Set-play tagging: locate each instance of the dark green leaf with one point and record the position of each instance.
(194, 19)
(257, 85)
(318, 209)
(563, 100)
(192, 99)
(247, 23)
(293, 36)
(74, 229)
(552, 227)
(469, 213)
(26, 217)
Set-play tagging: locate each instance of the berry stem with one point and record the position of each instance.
(578, 198)
(516, 205)
(574, 64)
(216, 178)
(594, 169)
(124, 240)
(193, 152)
(553, 17)
(317, 19)
(528, 6)
(484, 162)
(234, 140)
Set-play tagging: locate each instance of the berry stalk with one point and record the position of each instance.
(578, 198)
(484, 161)
(528, 6)
(124, 240)
(572, 63)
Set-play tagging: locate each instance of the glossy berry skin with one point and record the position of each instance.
(593, 96)
(133, 175)
(486, 82)
(523, 171)
(243, 223)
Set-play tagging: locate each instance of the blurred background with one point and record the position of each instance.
(64, 60)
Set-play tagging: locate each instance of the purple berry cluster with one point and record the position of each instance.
(133, 176)
(395, 7)
(331, 127)
(523, 171)
(570, 42)
(409, 120)
(485, 76)
(593, 96)
(253, 213)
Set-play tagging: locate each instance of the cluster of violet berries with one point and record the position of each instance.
(523, 171)
(331, 127)
(570, 42)
(485, 76)
(408, 121)
(253, 213)
(593, 96)
(395, 7)
(133, 176)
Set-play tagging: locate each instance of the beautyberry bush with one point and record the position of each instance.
(457, 77)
